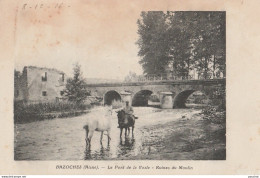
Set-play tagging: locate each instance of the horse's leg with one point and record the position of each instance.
(101, 137)
(90, 136)
(87, 131)
(125, 131)
(128, 130)
(133, 127)
(121, 129)
(108, 137)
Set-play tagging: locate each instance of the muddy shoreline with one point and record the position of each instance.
(188, 138)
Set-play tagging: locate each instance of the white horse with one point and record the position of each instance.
(99, 123)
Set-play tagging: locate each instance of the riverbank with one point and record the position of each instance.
(188, 138)
(25, 113)
(27, 118)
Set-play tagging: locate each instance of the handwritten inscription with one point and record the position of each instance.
(36, 6)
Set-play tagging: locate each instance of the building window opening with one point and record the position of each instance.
(62, 77)
(61, 93)
(44, 93)
(44, 77)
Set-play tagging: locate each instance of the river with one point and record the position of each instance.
(64, 138)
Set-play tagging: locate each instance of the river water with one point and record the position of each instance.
(64, 138)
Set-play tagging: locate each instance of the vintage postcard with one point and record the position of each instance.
(130, 87)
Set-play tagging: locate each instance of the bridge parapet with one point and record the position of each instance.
(163, 82)
(172, 77)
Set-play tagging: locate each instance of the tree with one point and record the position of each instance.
(153, 43)
(209, 42)
(132, 76)
(180, 41)
(76, 90)
(186, 40)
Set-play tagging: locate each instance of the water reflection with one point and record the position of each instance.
(102, 153)
(87, 153)
(125, 146)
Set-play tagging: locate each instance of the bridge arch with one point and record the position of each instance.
(141, 98)
(180, 99)
(111, 96)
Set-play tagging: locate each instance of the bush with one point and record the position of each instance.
(214, 114)
(23, 111)
(49, 107)
(154, 98)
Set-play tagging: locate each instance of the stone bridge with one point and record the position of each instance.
(171, 94)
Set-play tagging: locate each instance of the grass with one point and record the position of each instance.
(24, 113)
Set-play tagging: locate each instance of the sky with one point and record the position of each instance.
(101, 37)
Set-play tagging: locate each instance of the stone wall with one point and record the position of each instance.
(20, 86)
(40, 85)
(180, 90)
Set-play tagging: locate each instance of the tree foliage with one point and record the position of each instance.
(76, 90)
(187, 40)
(153, 42)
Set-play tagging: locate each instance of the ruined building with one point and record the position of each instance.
(35, 85)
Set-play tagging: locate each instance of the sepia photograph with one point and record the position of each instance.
(119, 87)
(157, 92)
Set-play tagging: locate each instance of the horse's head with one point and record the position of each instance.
(120, 114)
